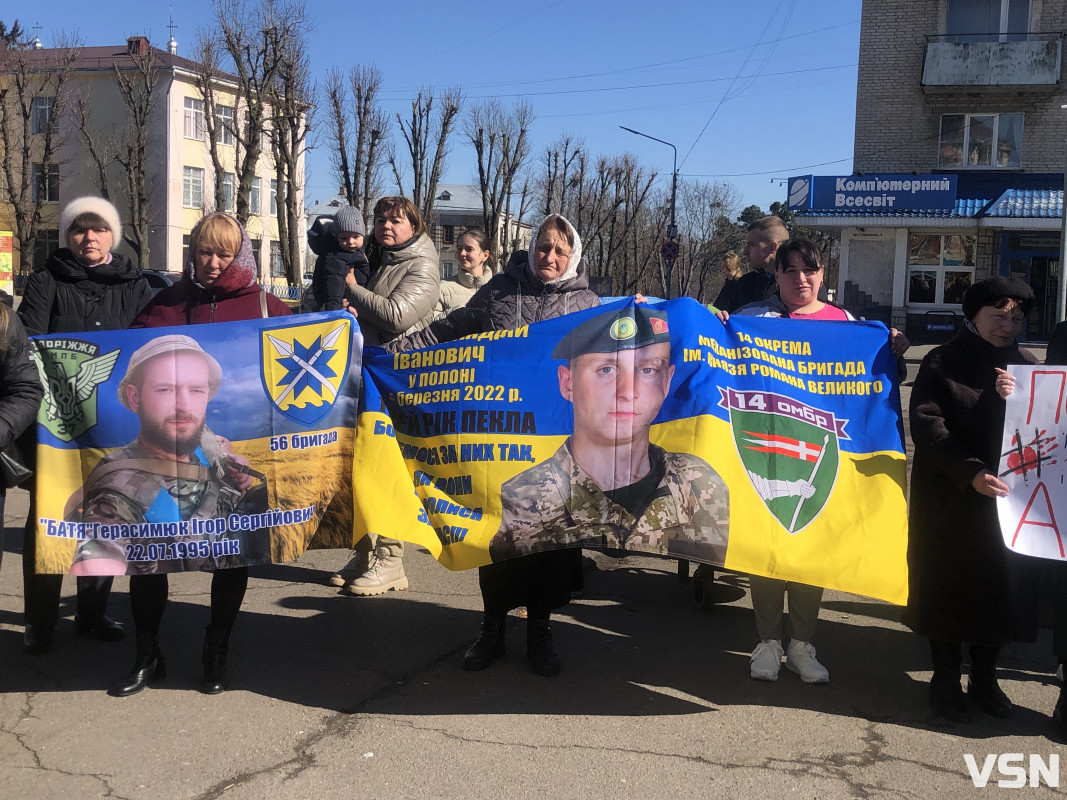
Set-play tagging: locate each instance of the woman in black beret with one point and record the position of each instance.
(965, 585)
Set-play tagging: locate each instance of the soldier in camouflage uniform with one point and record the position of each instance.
(607, 486)
(176, 470)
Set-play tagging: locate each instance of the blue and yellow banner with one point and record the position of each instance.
(768, 446)
(196, 447)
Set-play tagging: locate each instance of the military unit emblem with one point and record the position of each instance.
(789, 450)
(70, 371)
(304, 366)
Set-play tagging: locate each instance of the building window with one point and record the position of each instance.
(277, 268)
(192, 187)
(45, 185)
(448, 233)
(41, 114)
(254, 196)
(256, 244)
(981, 140)
(987, 20)
(940, 268)
(186, 239)
(229, 183)
(46, 244)
(273, 198)
(448, 269)
(225, 125)
(194, 118)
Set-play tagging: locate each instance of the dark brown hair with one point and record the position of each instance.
(406, 207)
(805, 248)
(482, 239)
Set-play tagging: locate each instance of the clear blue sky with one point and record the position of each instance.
(773, 81)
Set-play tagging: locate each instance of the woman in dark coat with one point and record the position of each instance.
(82, 287)
(20, 388)
(965, 585)
(219, 285)
(548, 281)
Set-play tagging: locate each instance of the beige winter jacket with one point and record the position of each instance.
(455, 292)
(403, 289)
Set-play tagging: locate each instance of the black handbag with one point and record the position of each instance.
(12, 471)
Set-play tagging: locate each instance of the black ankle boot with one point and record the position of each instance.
(947, 701)
(216, 648)
(539, 650)
(103, 627)
(985, 692)
(1059, 715)
(488, 647)
(148, 667)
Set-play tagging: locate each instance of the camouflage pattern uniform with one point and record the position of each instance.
(126, 488)
(555, 504)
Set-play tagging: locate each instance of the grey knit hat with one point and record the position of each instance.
(90, 205)
(348, 219)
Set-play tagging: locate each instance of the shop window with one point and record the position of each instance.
(940, 268)
(981, 141)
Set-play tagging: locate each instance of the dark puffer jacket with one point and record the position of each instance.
(64, 296)
(510, 300)
(20, 383)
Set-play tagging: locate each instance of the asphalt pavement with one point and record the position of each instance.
(342, 697)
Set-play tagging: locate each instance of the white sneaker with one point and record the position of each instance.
(766, 660)
(801, 660)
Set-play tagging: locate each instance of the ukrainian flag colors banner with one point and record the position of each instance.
(768, 446)
(196, 447)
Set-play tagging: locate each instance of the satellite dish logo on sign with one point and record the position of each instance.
(669, 250)
(799, 192)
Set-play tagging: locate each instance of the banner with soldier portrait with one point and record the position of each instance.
(196, 447)
(769, 446)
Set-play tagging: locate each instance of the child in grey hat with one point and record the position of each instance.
(338, 244)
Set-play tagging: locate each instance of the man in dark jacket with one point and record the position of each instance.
(761, 245)
(82, 287)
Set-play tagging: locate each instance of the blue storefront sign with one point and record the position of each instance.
(872, 192)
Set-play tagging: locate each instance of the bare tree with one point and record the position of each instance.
(290, 99)
(358, 133)
(34, 95)
(426, 135)
(705, 235)
(500, 138)
(207, 77)
(101, 148)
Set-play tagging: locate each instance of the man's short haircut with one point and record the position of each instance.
(554, 222)
(405, 207)
(771, 228)
(805, 248)
(218, 230)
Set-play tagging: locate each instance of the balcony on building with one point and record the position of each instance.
(990, 61)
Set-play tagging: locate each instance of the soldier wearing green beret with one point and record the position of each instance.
(176, 469)
(607, 486)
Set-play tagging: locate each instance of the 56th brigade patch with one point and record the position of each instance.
(71, 369)
(789, 450)
(304, 366)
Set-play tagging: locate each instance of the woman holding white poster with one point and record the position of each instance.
(964, 584)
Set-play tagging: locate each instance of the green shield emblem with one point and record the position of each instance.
(790, 452)
(70, 371)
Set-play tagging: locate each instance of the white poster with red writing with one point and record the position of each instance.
(1032, 463)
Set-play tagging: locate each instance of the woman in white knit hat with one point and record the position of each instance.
(83, 286)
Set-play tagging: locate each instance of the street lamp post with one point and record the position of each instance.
(672, 229)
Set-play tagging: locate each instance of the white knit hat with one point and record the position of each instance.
(90, 205)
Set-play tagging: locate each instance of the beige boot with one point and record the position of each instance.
(386, 571)
(357, 565)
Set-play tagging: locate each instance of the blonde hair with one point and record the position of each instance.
(731, 265)
(218, 230)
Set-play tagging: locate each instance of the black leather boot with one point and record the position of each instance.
(216, 648)
(488, 647)
(148, 667)
(539, 650)
(982, 686)
(103, 627)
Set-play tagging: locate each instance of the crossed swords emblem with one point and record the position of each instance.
(307, 367)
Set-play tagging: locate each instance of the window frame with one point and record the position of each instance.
(188, 175)
(966, 146)
(255, 197)
(49, 181)
(229, 192)
(277, 266)
(225, 124)
(41, 114)
(1003, 33)
(193, 122)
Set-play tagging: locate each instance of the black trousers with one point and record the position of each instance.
(148, 600)
(541, 581)
(41, 593)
